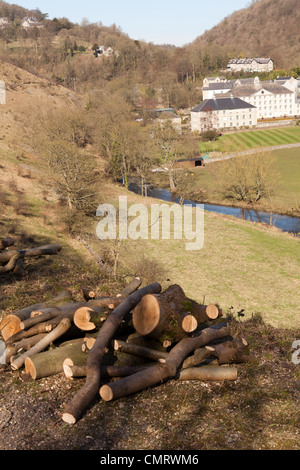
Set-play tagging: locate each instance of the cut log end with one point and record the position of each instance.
(212, 311)
(9, 326)
(68, 371)
(68, 418)
(106, 393)
(82, 318)
(189, 323)
(146, 315)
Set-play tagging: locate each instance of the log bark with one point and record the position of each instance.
(11, 264)
(140, 351)
(87, 294)
(42, 315)
(162, 371)
(6, 242)
(236, 351)
(131, 287)
(209, 373)
(168, 315)
(47, 363)
(88, 392)
(61, 328)
(51, 249)
(199, 356)
(25, 345)
(72, 371)
(10, 324)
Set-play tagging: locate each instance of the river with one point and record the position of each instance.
(282, 222)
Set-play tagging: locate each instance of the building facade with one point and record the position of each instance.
(273, 99)
(223, 113)
(259, 64)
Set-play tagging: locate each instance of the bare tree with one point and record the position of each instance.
(248, 179)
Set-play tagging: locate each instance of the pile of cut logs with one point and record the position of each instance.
(142, 336)
(12, 260)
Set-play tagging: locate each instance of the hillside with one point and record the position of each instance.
(267, 28)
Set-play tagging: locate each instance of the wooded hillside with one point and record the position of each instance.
(267, 28)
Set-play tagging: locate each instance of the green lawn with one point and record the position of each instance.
(287, 196)
(240, 141)
(241, 265)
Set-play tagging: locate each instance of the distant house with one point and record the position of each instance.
(259, 64)
(2, 92)
(166, 116)
(223, 113)
(105, 51)
(31, 22)
(4, 22)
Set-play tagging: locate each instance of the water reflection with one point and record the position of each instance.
(283, 222)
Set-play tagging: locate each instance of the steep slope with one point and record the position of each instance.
(267, 28)
(24, 91)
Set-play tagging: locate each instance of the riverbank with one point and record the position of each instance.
(204, 188)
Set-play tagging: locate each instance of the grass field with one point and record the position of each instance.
(287, 194)
(241, 265)
(239, 141)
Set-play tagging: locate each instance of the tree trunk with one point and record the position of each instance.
(162, 371)
(88, 392)
(61, 328)
(51, 362)
(170, 316)
(10, 324)
(208, 373)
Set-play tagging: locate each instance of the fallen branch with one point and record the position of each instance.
(6, 242)
(10, 324)
(72, 370)
(51, 249)
(209, 373)
(162, 371)
(61, 328)
(138, 350)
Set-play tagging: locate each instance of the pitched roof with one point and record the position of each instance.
(168, 115)
(220, 85)
(221, 104)
(247, 89)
